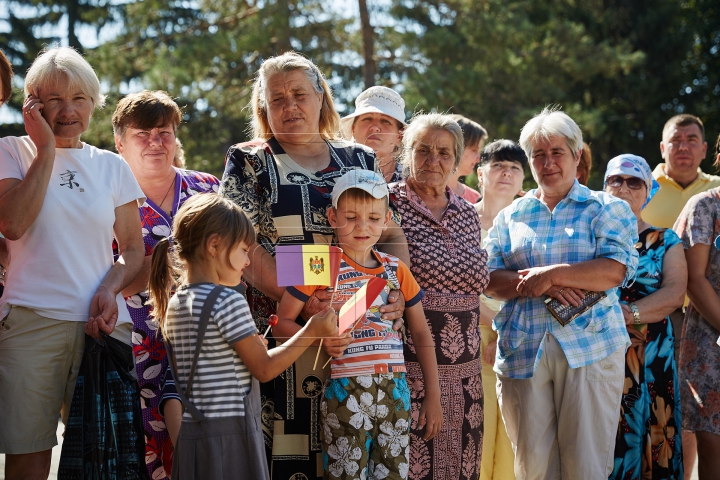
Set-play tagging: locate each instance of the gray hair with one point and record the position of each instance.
(551, 122)
(66, 61)
(430, 121)
(288, 62)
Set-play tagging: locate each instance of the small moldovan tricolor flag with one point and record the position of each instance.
(307, 265)
(359, 303)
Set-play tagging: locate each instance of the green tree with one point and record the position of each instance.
(29, 34)
(206, 55)
(700, 93)
(612, 65)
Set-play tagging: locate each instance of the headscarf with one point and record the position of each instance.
(629, 164)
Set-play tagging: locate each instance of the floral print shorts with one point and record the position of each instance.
(365, 427)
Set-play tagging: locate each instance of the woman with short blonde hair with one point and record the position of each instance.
(62, 202)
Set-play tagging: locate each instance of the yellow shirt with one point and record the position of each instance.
(668, 202)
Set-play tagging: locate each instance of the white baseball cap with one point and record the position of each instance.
(372, 182)
(376, 99)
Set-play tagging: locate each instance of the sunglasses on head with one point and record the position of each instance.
(633, 183)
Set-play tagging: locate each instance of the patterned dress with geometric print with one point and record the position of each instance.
(699, 223)
(148, 347)
(449, 263)
(288, 205)
(648, 443)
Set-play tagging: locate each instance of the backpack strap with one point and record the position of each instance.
(202, 328)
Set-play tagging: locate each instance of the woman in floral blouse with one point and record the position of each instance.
(648, 442)
(699, 229)
(145, 124)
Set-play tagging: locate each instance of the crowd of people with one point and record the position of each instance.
(555, 333)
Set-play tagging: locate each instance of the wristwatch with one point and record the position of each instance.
(636, 313)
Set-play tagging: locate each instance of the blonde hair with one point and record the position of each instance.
(63, 61)
(6, 74)
(288, 62)
(585, 165)
(179, 160)
(200, 217)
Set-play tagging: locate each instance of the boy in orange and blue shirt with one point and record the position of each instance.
(366, 402)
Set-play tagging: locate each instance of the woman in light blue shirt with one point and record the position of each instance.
(559, 387)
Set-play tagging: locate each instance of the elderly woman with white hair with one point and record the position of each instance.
(560, 379)
(449, 263)
(283, 180)
(62, 202)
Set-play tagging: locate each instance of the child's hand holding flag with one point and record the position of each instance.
(308, 265)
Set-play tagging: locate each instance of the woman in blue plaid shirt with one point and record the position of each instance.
(559, 387)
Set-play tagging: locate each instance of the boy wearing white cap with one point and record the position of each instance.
(378, 122)
(370, 375)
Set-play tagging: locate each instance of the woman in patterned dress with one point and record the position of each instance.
(145, 125)
(283, 180)
(449, 263)
(699, 229)
(648, 442)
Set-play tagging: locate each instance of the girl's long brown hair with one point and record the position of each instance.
(201, 216)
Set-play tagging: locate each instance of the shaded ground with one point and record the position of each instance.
(56, 460)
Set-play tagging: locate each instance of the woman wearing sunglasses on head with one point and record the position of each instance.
(650, 406)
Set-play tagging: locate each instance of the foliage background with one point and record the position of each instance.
(619, 68)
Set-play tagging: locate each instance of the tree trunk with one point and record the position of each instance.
(368, 45)
(73, 12)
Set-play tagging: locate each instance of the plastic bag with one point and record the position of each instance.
(103, 436)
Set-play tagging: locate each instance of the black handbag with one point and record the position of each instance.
(104, 434)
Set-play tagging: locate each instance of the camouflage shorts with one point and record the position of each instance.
(366, 424)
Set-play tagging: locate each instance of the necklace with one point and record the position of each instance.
(166, 193)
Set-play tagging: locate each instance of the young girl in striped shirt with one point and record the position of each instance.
(216, 352)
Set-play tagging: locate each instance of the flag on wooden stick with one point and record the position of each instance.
(307, 265)
(358, 304)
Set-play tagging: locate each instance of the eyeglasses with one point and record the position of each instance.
(633, 183)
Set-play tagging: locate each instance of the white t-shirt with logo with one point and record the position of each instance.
(58, 264)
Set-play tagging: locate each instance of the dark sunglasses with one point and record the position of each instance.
(633, 183)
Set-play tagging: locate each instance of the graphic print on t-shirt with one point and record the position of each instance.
(69, 178)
